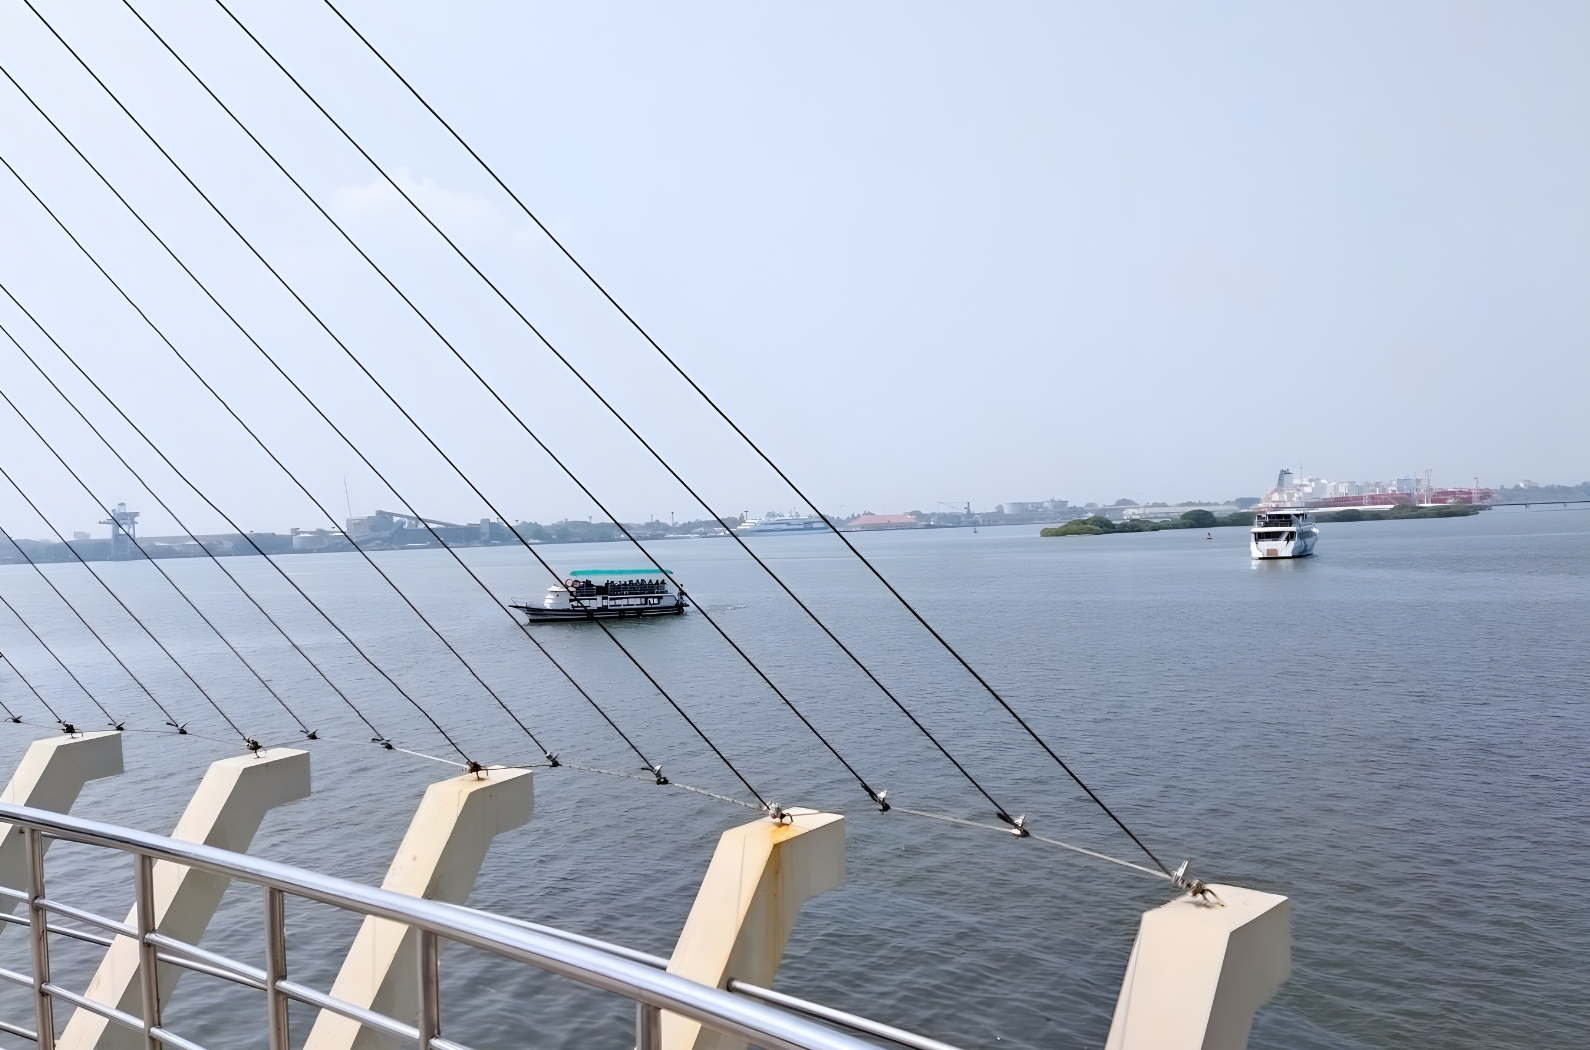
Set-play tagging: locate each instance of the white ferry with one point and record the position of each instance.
(1283, 532)
(759, 526)
(606, 594)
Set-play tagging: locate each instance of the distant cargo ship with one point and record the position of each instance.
(606, 594)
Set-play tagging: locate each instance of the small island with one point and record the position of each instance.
(1203, 519)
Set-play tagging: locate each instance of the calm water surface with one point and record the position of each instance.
(1392, 733)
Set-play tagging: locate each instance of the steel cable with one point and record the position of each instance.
(875, 796)
(125, 608)
(937, 637)
(31, 688)
(330, 333)
(103, 506)
(248, 430)
(167, 508)
(56, 656)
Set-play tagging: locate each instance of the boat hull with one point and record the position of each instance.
(1302, 547)
(535, 614)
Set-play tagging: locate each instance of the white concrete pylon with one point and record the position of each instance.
(1199, 970)
(760, 875)
(439, 859)
(225, 812)
(50, 776)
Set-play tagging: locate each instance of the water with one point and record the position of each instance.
(1392, 733)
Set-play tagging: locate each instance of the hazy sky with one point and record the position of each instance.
(922, 252)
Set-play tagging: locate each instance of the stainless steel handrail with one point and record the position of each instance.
(594, 963)
(855, 1022)
(839, 1017)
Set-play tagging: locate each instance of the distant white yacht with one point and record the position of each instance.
(779, 523)
(1282, 527)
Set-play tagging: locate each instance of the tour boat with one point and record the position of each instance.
(1283, 532)
(606, 594)
(758, 526)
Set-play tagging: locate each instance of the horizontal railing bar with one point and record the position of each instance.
(213, 971)
(735, 1016)
(368, 1018)
(438, 1043)
(244, 973)
(18, 1030)
(839, 1017)
(121, 1017)
(656, 962)
(788, 1002)
(87, 916)
(16, 895)
(64, 931)
(15, 978)
(82, 935)
(170, 1038)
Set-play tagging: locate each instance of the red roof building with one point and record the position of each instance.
(879, 522)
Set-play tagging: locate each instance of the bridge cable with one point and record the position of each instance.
(56, 657)
(14, 716)
(151, 560)
(943, 642)
(285, 575)
(167, 508)
(265, 448)
(434, 630)
(125, 608)
(550, 756)
(876, 797)
(654, 768)
(291, 291)
(380, 739)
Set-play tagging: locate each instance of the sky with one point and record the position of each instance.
(921, 253)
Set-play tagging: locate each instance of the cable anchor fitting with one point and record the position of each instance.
(68, 728)
(552, 759)
(1194, 887)
(657, 774)
(311, 734)
(253, 745)
(881, 798)
(1018, 825)
(475, 768)
(778, 814)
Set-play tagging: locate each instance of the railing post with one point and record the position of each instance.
(43, 1007)
(276, 967)
(430, 1012)
(148, 962)
(648, 1027)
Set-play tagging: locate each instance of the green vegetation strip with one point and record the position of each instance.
(1203, 519)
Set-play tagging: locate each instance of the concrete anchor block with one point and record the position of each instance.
(1199, 970)
(760, 875)
(50, 776)
(224, 812)
(439, 859)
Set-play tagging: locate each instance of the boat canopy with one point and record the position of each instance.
(620, 572)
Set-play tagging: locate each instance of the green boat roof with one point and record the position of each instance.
(620, 572)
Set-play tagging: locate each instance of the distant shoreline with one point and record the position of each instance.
(1203, 519)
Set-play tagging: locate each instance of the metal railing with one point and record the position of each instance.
(760, 1016)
